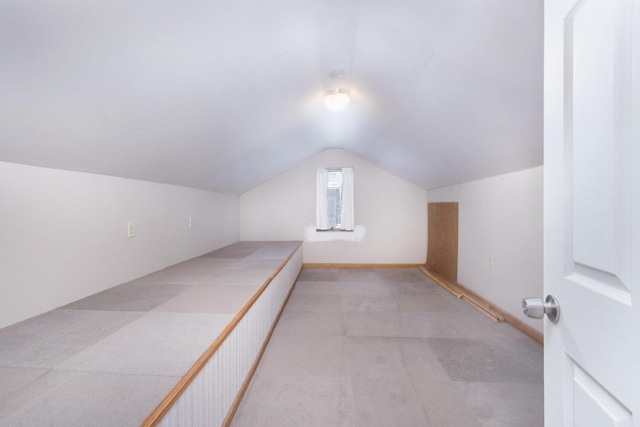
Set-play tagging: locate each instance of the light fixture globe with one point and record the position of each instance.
(336, 99)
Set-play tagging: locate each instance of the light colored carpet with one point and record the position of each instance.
(389, 347)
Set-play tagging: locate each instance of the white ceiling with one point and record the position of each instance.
(225, 94)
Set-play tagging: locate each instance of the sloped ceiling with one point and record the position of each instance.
(225, 94)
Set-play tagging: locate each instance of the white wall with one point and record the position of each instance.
(390, 212)
(500, 217)
(63, 235)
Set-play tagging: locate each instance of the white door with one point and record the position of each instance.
(592, 212)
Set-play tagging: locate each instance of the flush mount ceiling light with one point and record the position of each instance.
(336, 99)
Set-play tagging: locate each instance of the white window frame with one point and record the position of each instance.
(346, 214)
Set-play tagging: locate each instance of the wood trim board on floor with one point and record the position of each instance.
(486, 307)
(458, 290)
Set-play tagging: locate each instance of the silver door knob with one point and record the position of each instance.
(536, 308)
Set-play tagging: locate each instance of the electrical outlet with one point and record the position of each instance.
(131, 229)
(191, 222)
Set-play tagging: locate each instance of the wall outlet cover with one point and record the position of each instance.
(131, 229)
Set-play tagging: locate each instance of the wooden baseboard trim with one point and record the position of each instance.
(461, 292)
(447, 285)
(524, 328)
(495, 313)
(337, 265)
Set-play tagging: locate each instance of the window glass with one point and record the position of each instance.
(334, 204)
(334, 198)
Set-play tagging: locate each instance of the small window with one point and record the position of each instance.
(334, 207)
(334, 198)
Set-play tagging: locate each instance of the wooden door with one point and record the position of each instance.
(442, 244)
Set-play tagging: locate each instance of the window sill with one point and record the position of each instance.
(311, 234)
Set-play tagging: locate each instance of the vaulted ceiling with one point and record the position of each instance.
(225, 94)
